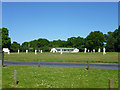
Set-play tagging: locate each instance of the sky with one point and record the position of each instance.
(28, 21)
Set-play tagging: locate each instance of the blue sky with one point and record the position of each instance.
(27, 21)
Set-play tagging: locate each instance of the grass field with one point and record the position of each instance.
(110, 57)
(58, 77)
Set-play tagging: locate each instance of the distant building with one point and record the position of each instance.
(74, 50)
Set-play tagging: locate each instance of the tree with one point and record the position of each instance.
(110, 44)
(118, 40)
(34, 44)
(116, 35)
(24, 46)
(112, 40)
(70, 41)
(0, 38)
(42, 42)
(14, 47)
(6, 41)
(77, 42)
(95, 40)
(57, 43)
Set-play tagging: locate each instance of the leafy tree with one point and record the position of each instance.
(118, 40)
(24, 46)
(6, 41)
(95, 40)
(106, 37)
(77, 42)
(45, 49)
(116, 35)
(42, 42)
(112, 40)
(14, 47)
(110, 44)
(63, 44)
(0, 38)
(57, 43)
(70, 41)
(33, 44)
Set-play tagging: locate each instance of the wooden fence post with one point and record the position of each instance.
(88, 66)
(15, 78)
(111, 84)
(39, 63)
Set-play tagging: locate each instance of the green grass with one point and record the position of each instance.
(0, 77)
(58, 77)
(110, 57)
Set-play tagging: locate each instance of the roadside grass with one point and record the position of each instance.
(110, 57)
(57, 77)
(0, 77)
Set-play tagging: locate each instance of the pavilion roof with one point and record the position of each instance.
(63, 48)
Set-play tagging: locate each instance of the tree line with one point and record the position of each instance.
(94, 40)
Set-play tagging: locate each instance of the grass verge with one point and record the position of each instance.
(58, 77)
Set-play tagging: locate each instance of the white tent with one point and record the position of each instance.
(6, 50)
(53, 50)
(76, 50)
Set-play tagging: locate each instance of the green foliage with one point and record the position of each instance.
(42, 42)
(117, 43)
(77, 42)
(110, 43)
(57, 43)
(0, 37)
(113, 40)
(6, 41)
(14, 47)
(24, 46)
(95, 40)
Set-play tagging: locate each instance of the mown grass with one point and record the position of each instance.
(0, 77)
(110, 57)
(58, 77)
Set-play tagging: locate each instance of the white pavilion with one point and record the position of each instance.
(60, 49)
